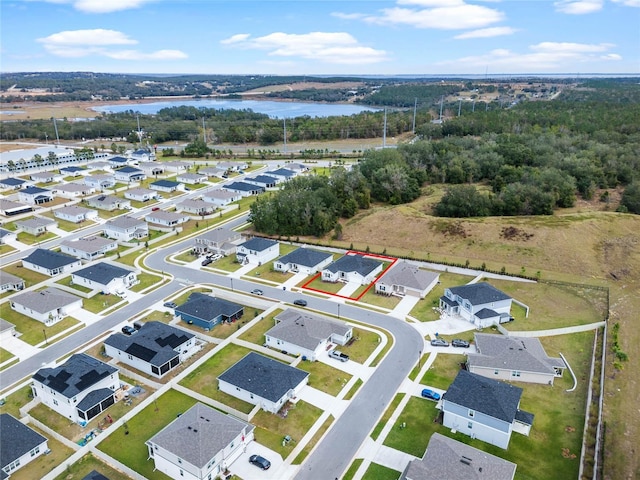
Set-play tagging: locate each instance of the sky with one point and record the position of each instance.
(321, 37)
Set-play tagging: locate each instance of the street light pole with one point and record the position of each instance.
(231, 280)
(338, 311)
(46, 342)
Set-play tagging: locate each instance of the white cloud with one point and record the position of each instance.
(628, 3)
(98, 42)
(101, 6)
(578, 7)
(568, 47)
(328, 47)
(486, 33)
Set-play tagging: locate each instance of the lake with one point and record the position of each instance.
(273, 109)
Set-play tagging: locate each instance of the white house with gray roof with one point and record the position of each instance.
(352, 268)
(20, 444)
(79, 389)
(263, 381)
(109, 203)
(46, 177)
(75, 214)
(49, 262)
(220, 240)
(521, 359)
(100, 181)
(156, 349)
(406, 279)
(192, 178)
(483, 408)
(453, 460)
(9, 282)
(303, 260)
(105, 277)
(48, 306)
(302, 333)
(479, 303)
(126, 228)
(199, 444)
(257, 251)
(141, 194)
(74, 190)
(7, 236)
(195, 207)
(221, 197)
(88, 248)
(36, 225)
(166, 219)
(9, 208)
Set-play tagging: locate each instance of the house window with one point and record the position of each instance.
(470, 425)
(495, 372)
(55, 402)
(238, 388)
(515, 373)
(179, 460)
(471, 413)
(35, 451)
(181, 473)
(251, 395)
(231, 446)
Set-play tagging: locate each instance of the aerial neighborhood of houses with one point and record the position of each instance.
(215, 351)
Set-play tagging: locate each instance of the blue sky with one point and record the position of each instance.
(307, 37)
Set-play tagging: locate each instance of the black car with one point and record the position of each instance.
(128, 330)
(300, 302)
(456, 342)
(170, 304)
(206, 262)
(259, 461)
(439, 342)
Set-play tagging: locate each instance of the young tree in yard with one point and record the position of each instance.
(114, 147)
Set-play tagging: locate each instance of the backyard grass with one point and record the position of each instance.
(29, 239)
(328, 287)
(312, 442)
(256, 333)
(384, 301)
(407, 434)
(157, 316)
(324, 377)
(68, 282)
(30, 277)
(127, 442)
(146, 280)
(380, 472)
(375, 433)
(423, 310)
(17, 400)
(87, 464)
(42, 465)
(443, 370)
(267, 273)
(100, 302)
(354, 389)
(34, 332)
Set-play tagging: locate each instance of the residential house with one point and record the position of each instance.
(105, 277)
(244, 189)
(485, 409)
(36, 225)
(352, 268)
(156, 349)
(101, 165)
(257, 251)
(282, 174)
(49, 262)
(192, 178)
(35, 195)
(207, 311)
(303, 260)
(520, 359)
(303, 333)
(262, 181)
(20, 444)
(109, 203)
(46, 177)
(75, 214)
(9, 282)
(297, 167)
(166, 219)
(201, 443)
(479, 303)
(74, 190)
(195, 207)
(100, 182)
(129, 174)
(14, 183)
(118, 162)
(220, 241)
(142, 155)
(48, 306)
(263, 381)
(88, 248)
(7, 329)
(73, 171)
(9, 208)
(94, 475)
(213, 171)
(233, 166)
(151, 168)
(141, 194)
(221, 198)
(7, 236)
(406, 279)
(79, 389)
(165, 186)
(126, 228)
(448, 458)
(176, 166)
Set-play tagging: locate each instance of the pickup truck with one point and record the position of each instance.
(343, 357)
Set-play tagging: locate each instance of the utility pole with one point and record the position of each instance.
(204, 132)
(284, 125)
(384, 131)
(139, 132)
(415, 108)
(441, 104)
(55, 126)
(459, 107)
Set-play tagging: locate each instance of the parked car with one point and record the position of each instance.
(439, 342)
(170, 304)
(128, 330)
(206, 262)
(259, 461)
(300, 302)
(457, 342)
(430, 394)
(257, 291)
(343, 357)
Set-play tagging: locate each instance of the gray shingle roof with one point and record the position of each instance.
(479, 293)
(407, 275)
(263, 376)
(354, 263)
(218, 235)
(486, 313)
(283, 172)
(35, 222)
(154, 343)
(525, 354)
(45, 300)
(125, 222)
(220, 194)
(49, 259)
(73, 210)
(93, 398)
(9, 279)
(207, 308)
(491, 397)
(305, 256)
(17, 439)
(102, 272)
(79, 373)
(258, 244)
(304, 329)
(89, 244)
(453, 460)
(199, 434)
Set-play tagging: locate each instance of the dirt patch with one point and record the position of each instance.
(513, 233)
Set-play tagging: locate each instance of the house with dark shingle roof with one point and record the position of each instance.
(352, 268)
(49, 262)
(263, 381)
(406, 279)
(303, 260)
(118, 161)
(520, 359)
(105, 277)
(165, 186)
(282, 174)
(7, 236)
(303, 333)
(485, 409)
(14, 183)
(479, 303)
(20, 444)
(199, 444)
(35, 195)
(257, 251)
(129, 174)
(207, 311)
(48, 306)
(73, 170)
(243, 188)
(79, 389)
(453, 460)
(156, 349)
(94, 475)
(262, 180)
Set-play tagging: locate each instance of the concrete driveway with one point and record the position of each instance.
(245, 470)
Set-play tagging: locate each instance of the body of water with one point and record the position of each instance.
(273, 109)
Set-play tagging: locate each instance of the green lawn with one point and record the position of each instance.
(16, 400)
(88, 463)
(365, 342)
(146, 280)
(32, 331)
(30, 277)
(127, 443)
(417, 368)
(4, 249)
(227, 264)
(267, 273)
(384, 301)
(311, 443)
(380, 472)
(354, 389)
(29, 239)
(423, 310)
(42, 465)
(324, 377)
(386, 415)
(256, 333)
(328, 287)
(100, 302)
(353, 468)
(443, 370)
(5, 355)
(186, 257)
(407, 434)
(67, 282)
